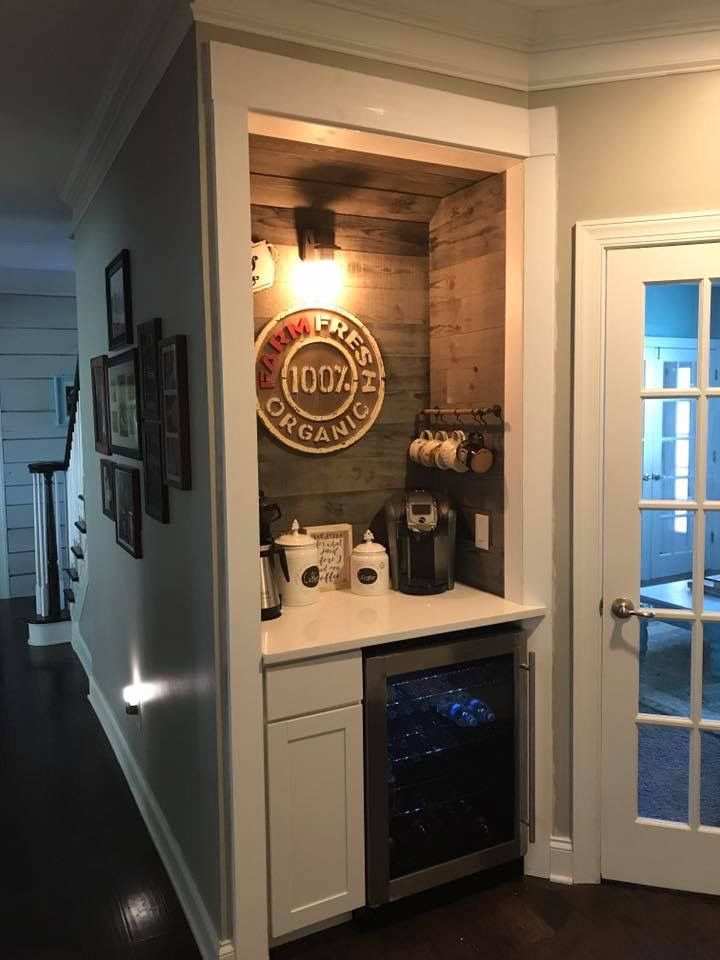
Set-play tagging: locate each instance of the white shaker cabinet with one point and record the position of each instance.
(316, 818)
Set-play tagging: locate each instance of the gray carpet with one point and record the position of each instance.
(663, 774)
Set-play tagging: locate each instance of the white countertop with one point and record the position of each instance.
(342, 621)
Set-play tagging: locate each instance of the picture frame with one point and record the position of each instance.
(156, 491)
(107, 488)
(175, 414)
(128, 511)
(335, 543)
(118, 301)
(149, 335)
(101, 403)
(124, 404)
(62, 396)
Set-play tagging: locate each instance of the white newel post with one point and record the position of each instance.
(41, 598)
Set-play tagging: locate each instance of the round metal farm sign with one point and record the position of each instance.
(320, 379)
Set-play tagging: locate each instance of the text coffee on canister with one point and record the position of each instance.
(369, 568)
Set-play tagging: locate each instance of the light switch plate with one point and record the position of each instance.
(482, 531)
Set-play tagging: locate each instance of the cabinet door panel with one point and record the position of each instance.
(315, 799)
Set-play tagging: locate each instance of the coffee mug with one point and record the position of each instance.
(417, 445)
(429, 449)
(446, 456)
(474, 455)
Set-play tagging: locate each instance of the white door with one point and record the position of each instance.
(661, 672)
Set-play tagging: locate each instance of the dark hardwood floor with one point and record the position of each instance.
(528, 919)
(79, 876)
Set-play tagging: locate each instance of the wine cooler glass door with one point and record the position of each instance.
(444, 800)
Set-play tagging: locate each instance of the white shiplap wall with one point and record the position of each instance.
(38, 342)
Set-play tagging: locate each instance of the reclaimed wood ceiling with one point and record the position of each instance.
(288, 173)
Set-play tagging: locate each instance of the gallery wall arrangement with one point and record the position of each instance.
(140, 412)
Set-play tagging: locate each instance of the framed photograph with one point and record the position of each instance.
(128, 512)
(156, 491)
(124, 404)
(101, 405)
(107, 488)
(335, 546)
(175, 416)
(118, 301)
(63, 396)
(149, 334)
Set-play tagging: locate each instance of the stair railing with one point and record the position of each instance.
(47, 479)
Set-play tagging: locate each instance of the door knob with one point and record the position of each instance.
(623, 609)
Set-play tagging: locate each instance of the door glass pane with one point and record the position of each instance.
(713, 449)
(663, 772)
(666, 543)
(714, 371)
(665, 655)
(711, 583)
(709, 778)
(668, 459)
(451, 768)
(711, 672)
(671, 330)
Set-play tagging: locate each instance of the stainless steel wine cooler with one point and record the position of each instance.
(449, 759)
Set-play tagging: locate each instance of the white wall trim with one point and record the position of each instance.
(245, 80)
(593, 241)
(561, 860)
(553, 49)
(152, 37)
(81, 649)
(167, 846)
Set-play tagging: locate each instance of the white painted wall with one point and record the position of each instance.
(151, 619)
(38, 342)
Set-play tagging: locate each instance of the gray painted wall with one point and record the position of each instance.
(152, 619)
(38, 342)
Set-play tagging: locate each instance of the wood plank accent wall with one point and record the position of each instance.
(467, 350)
(385, 262)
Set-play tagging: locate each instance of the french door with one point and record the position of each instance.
(661, 576)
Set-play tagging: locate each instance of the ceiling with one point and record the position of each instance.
(54, 60)
(66, 67)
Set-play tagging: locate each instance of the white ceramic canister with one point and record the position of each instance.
(298, 583)
(369, 568)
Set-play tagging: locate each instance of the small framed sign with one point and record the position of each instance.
(128, 512)
(262, 266)
(335, 546)
(174, 410)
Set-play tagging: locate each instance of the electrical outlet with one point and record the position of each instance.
(482, 531)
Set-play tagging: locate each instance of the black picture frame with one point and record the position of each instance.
(172, 353)
(124, 404)
(107, 488)
(118, 301)
(156, 491)
(101, 403)
(149, 334)
(128, 510)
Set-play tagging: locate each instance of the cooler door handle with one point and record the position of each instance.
(529, 669)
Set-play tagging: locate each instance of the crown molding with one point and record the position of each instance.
(372, 34)
(149, 43)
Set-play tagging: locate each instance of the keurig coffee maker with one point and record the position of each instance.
(421, 541)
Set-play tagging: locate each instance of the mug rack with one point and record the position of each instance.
(456, 414)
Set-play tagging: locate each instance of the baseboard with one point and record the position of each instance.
(81, 649)
(167, 846)
(309, 931)
(561, 860)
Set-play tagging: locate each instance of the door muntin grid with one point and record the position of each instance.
(678, 718)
